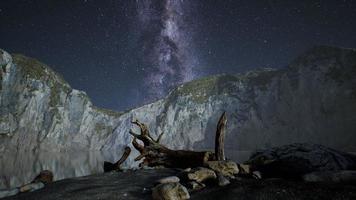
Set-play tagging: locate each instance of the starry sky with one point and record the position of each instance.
(125, 53)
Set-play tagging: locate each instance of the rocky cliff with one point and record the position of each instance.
(40, 111)
(312, 100)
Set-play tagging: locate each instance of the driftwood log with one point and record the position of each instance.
(155, 154)
(219, 137)
(108, 166)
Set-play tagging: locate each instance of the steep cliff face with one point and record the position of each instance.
(312, 100)
(40, 111)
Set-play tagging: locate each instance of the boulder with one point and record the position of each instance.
(201, 174)
(170, 191)
(195, 186)
(226, 168)
(295, 160)
(244, 169)
(169, 179)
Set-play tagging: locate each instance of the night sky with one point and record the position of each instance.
(126, 53)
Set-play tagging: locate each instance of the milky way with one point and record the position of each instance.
(167, 48)
(128, 53)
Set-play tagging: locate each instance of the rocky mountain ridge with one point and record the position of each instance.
(39, 110)
(312, 100)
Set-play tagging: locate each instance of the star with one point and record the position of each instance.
(108, 48)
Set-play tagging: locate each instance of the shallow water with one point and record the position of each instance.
(20, 168)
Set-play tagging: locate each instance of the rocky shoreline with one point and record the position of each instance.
(137, 184)
(295, 171)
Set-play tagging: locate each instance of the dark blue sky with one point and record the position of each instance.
(111, 48)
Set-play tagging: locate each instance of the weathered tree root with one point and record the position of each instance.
(108, 166)
(155, 154)
(219, 138)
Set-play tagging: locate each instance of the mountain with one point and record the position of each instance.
(312, 100)
(40, 111)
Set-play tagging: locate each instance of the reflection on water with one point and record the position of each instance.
(20, 168)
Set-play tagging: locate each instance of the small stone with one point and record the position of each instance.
(222, 180)
(170, 191)
(256, 175)
(187, 169)
(145, 190)
(244, 169)
(169, 179)
(31, 187)
(147, 167)
(226, 168)
(10, 192)
(195, 186)
(45, 177)
(201, 174)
